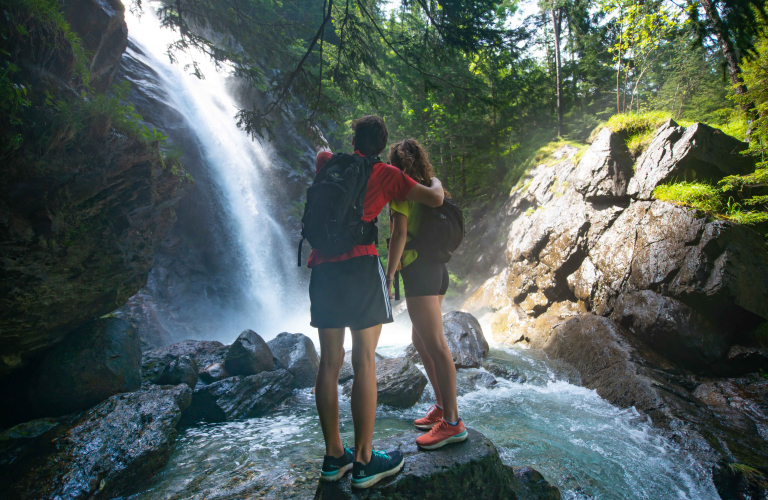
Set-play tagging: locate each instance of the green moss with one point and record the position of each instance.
(576, 158)
(761, 334)
(639, 142)
(709, 199)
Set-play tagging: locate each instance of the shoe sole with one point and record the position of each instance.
(336, 475)
(370, 481)
(425, 427)
(453, 439)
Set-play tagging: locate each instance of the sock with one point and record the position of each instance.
(453, 423)
(439, 407)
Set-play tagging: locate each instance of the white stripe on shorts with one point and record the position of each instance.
(384, 288)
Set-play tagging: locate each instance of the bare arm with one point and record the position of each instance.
(396, 242)
(431, 196)
(318, 139)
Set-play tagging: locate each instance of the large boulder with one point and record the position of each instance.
(96, 361)
(698, 152)
(671, 328)
(399, 383)
(605, 168)
(238, 397)
(107, 452)
(297, 354)
(465, 339)
(248, 355)
(471, 469)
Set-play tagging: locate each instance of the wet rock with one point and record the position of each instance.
(238, 397)
(399, 383)
(699, 152)
(174, 364)
(470, 381)
(743, 403)
(671, 328)
(468, 469)
(411, 354)
(214, 373)
(248, 355)
(347, 372)
(465, 339)
(104, 33)
(96, 361)
(529, 484)
(605, 168)
(109, 451)
(502, 371)
(297, 354)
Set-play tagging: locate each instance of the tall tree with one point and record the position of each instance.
(557, 16)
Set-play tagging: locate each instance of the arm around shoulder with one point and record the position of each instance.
(431, 196)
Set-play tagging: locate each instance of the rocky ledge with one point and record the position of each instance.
(451, 473)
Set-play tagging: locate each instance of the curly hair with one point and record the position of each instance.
(411, 157)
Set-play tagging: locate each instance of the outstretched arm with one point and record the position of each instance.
(431, 196)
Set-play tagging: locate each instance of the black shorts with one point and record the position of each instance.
(351, 294)
(423, 277)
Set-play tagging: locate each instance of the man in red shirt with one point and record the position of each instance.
(351, 291)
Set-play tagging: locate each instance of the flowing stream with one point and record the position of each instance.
(581, 443)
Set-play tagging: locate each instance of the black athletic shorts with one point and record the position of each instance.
(351, 294)
(423, 277)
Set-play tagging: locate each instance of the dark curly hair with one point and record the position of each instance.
(411, 157)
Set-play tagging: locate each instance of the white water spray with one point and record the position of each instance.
(239, 166)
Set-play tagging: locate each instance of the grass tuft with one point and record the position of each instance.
(709, 199)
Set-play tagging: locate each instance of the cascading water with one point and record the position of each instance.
(241, 168)
(585, 446)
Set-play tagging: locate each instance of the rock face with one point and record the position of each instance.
(79, 226)
(238, 397)
(104, 33)
(248, 355)
(605, 169)
(698, 152)
(399, 383)
(96, 361)
(471, 469)
(670, 326)
(106, 452)
(297, 354)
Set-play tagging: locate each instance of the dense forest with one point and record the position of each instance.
(489, 87)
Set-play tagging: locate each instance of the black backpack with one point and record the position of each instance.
(440, 232)
(333, 214)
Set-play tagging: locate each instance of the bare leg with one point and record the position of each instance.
(364, 344)
(428, 323)
(429, 365)
(327, 388)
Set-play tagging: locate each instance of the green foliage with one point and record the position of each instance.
(709, 199)
(752, 475)
(637, 123)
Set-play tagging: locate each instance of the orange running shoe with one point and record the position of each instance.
(442, 434)
(434, 416)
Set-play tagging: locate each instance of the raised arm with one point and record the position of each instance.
(431, 196)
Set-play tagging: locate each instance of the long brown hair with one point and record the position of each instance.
(411, 157)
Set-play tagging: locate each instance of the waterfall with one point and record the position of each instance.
(274, 297)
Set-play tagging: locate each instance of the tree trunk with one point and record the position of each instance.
(621, 51)
(463, 178)
(556, 17)
(726, 45)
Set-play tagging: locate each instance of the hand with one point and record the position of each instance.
(390, 289)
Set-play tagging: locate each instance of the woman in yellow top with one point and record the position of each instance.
(425, 283)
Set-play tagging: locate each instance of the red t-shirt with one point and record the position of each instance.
(386, 183)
